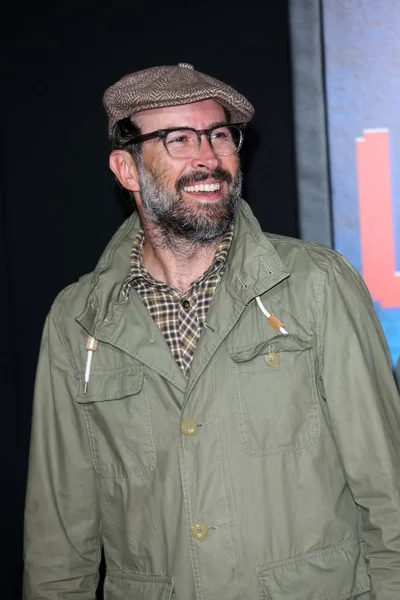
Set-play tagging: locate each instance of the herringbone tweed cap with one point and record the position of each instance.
(170, 86)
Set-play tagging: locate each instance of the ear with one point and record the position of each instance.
(124, 168)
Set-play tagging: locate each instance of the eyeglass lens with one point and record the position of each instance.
(184, 143)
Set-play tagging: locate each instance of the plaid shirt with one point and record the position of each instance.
(180, 316)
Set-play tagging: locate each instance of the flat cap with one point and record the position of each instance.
(157, 87)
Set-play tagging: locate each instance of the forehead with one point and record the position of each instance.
(199, 115)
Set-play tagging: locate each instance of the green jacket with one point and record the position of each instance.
(283, 483)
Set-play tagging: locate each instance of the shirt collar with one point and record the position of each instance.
(138, 270)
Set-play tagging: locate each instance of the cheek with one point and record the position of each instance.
(174, 171)
(231, 164)
(162, 171)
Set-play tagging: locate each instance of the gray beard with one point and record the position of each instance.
(177, 222)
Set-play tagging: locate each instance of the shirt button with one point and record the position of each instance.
(189, 426)
(199, 531)
(272, 359)
(185, 305)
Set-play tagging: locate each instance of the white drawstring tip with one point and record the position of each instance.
(91, 347)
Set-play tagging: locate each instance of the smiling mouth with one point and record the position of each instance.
(203, 187)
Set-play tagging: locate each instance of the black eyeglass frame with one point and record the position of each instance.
(162, 134)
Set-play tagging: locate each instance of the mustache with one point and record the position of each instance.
(197, 177)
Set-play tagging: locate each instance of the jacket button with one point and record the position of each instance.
(272, 359)
(189, 426)
(199, 531)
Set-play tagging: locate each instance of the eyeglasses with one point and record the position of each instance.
(184, 142)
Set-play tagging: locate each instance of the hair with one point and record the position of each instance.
(122, 133)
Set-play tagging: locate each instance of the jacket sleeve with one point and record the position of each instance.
(62, 526)
(364, 409)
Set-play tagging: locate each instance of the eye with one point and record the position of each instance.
(223, 134)
(178, 138)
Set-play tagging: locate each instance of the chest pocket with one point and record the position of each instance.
(276, 396)
(118, 422)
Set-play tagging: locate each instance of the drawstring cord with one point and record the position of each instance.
(91, 347)
(272, 320)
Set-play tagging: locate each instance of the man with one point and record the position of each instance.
(214, 407)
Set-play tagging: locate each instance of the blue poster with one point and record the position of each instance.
(362, 69)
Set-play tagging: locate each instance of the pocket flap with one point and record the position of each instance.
(281, 343)
(146, 587)
(113, 384)
(336, 572)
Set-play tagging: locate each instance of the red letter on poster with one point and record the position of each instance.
(376, 218)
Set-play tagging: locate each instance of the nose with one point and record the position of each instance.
(205, 159)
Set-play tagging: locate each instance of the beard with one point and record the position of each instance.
(177, 221)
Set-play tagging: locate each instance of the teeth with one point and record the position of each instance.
(207, 187)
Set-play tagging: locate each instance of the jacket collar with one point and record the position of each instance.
(253, 265)
(252, 268)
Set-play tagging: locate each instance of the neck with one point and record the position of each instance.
(177, 261)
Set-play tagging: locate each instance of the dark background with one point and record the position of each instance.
(59, 206)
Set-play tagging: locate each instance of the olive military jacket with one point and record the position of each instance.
(272, 472)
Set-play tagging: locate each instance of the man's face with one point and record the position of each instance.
(168, 197)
